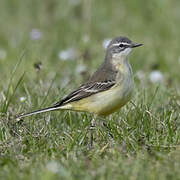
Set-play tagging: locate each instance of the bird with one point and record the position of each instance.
(107, 90)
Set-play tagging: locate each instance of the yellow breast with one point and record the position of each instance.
(106, 102)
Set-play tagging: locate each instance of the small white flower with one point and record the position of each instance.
(22, 99)
(85, 38)
(106, 42)
(156, 76)
(36, 34)
(68, 54)
(3, 54)
(52, 166)
(81, 68)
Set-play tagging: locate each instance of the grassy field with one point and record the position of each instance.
(50, 47)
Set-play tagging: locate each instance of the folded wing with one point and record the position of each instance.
(86, 90)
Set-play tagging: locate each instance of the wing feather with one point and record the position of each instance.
(85, 91)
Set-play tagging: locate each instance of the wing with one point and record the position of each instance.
(85, 91)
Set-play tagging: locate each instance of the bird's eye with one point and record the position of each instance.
(121, 45)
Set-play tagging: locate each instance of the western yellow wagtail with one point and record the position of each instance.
(108, 89)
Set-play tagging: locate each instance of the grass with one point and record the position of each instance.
(146, 133)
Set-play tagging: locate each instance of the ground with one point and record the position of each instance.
(47, 49)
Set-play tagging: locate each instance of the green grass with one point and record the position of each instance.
(146, 132)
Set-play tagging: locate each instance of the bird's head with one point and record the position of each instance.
(121, 47)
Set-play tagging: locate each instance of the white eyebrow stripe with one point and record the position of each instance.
(117, 44)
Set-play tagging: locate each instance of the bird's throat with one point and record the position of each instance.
(121, 64)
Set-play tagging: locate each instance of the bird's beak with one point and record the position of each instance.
(136, 45)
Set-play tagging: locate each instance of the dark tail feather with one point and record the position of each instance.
(53, 108)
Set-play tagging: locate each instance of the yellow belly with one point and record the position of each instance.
(104, 103)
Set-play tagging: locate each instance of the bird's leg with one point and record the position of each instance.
(92, 126)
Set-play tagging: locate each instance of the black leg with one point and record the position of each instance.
(92, 126)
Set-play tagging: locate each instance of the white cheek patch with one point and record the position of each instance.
(126, 52)
(123, 54)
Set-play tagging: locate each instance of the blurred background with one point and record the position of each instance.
(47, 49)
(64, 40)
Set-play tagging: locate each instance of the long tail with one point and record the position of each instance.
(52, 108)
